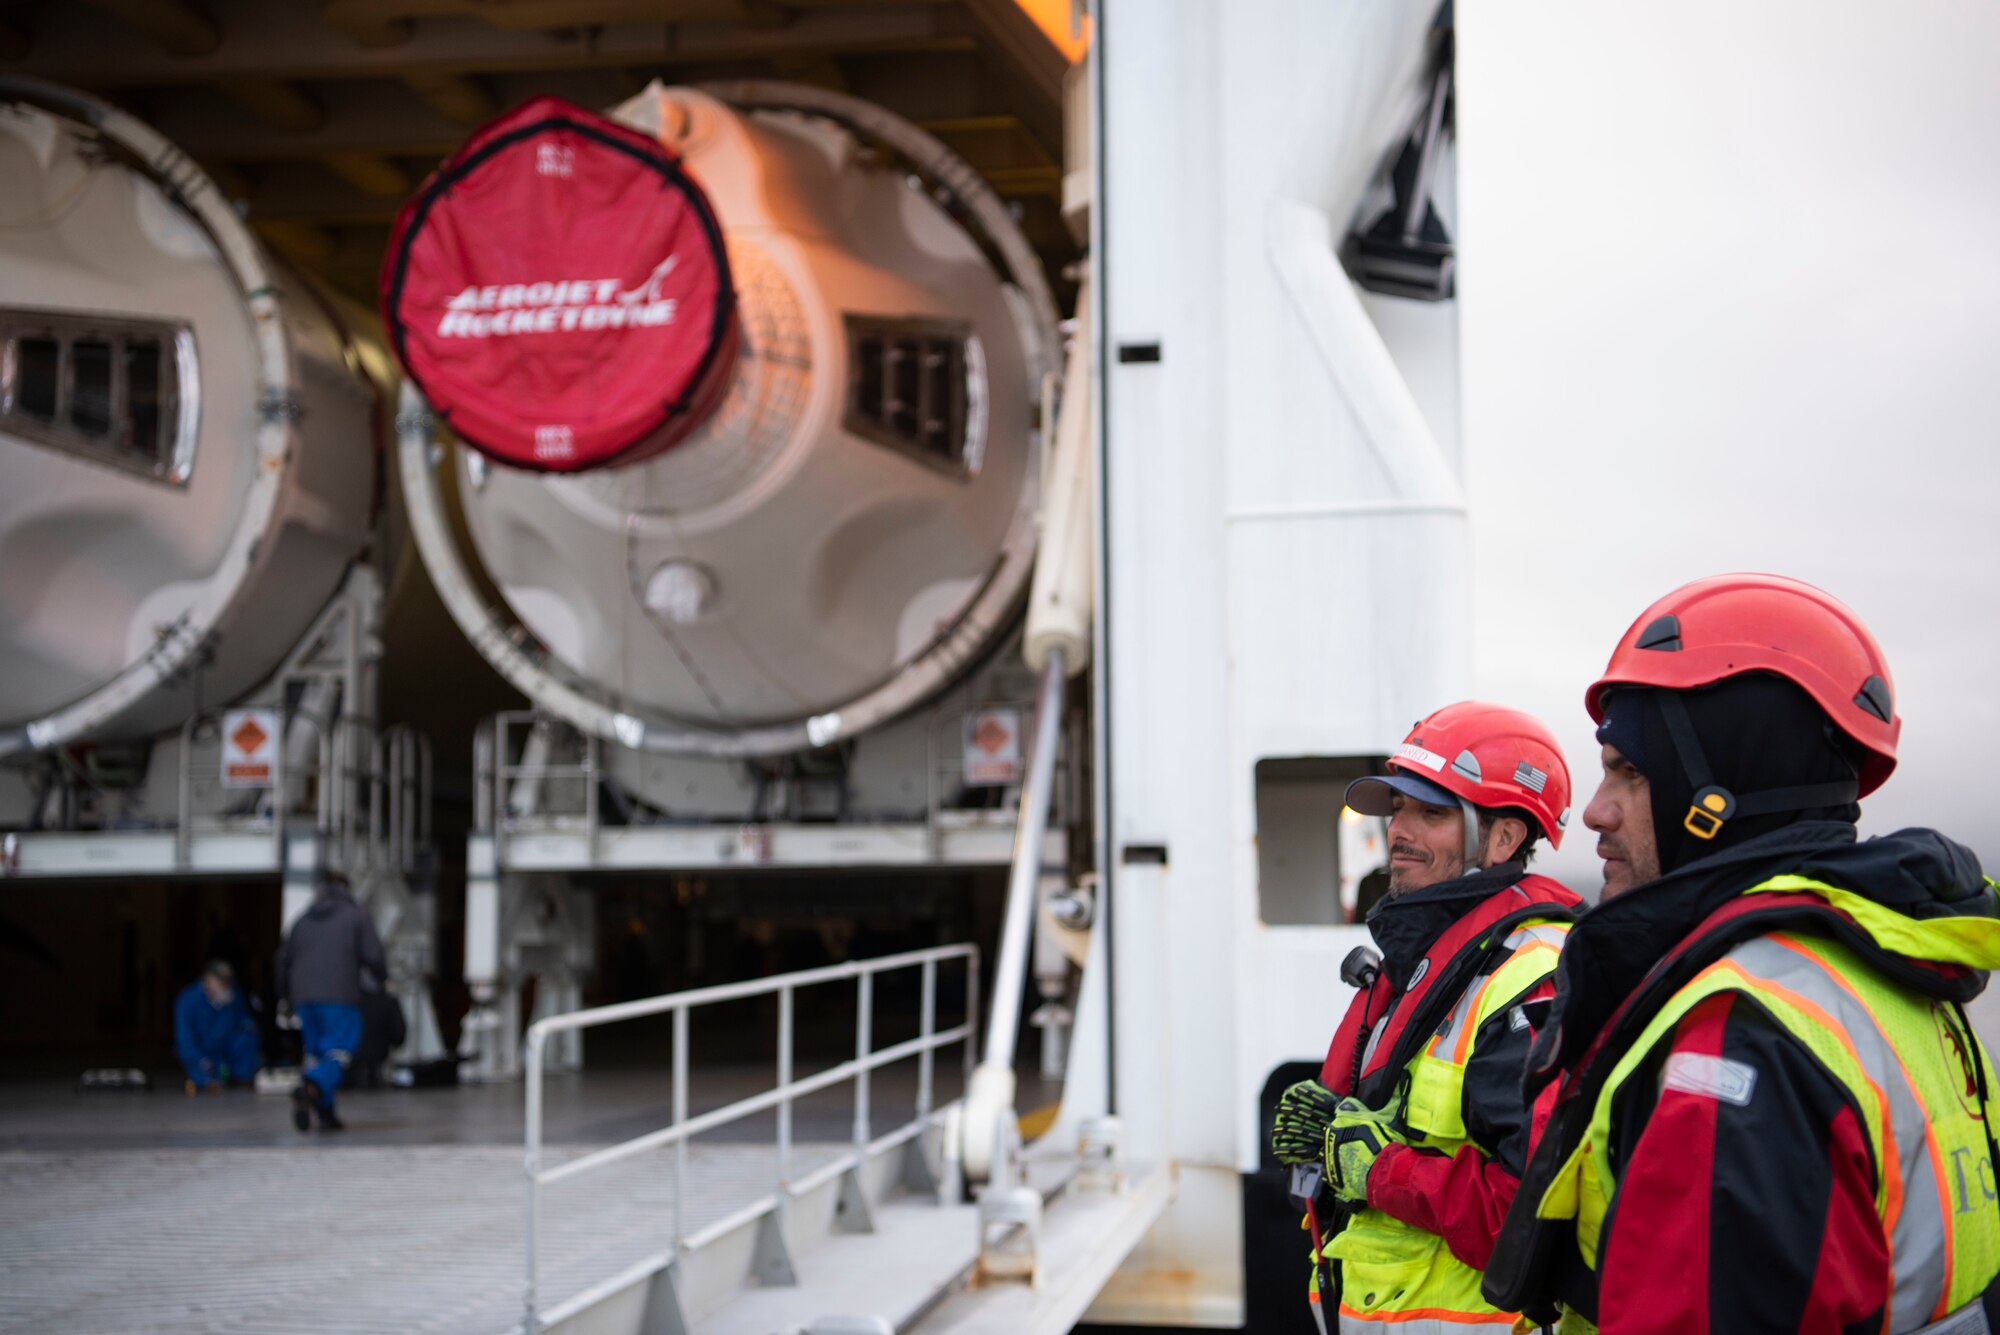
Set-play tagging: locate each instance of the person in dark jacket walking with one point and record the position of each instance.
(330, 957)
(1770, 1115)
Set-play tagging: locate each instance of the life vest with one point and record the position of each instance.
(1811, 955)
(1394, 1276)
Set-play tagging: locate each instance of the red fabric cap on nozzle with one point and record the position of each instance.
(560, 292)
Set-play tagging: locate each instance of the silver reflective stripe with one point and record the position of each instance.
(1549, 934)
(1461, 1013)
(1374, 1037)
(1917, 1240)
(1361, 1325)
(1967, 1320)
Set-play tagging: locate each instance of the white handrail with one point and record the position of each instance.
(781, 1096)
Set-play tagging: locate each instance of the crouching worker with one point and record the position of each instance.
(330, 956)
(215, 1036)
(1416, 1125)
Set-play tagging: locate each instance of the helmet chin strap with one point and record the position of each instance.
(1714, 805)
(1472, 849)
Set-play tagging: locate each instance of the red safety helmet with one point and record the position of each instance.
(1722, 627)
(1487, 755)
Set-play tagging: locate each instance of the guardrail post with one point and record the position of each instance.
(533, 1165)
(680, 1118)
(864, 1024)
(785, 1104)
(971, 1018)
(926, 1026)
(771, 1261)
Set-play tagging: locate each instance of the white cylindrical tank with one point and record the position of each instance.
(189, 436)
(850, 526)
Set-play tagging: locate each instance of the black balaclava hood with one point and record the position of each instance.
(1757, 731)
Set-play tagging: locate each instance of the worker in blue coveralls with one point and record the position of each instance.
(330, 956)
(214, 1034)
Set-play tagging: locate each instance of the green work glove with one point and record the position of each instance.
(1298, 1132)
(1354, 1140)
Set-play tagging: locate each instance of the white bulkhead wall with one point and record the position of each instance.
(1730, 297)
(1286, 553)
(1731, 300)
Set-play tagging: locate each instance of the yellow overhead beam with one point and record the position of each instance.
(296, 240)
(1024, 180)
(456, 97)
(178, 27)
(369, 173)
(278, 104)
(380, 23)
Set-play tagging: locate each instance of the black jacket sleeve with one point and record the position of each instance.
(1495, 1116)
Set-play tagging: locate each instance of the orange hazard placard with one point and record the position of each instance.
(992, 747)
(249, 747)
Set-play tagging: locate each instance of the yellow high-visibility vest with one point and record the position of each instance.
(1899, 1055)
(1396, 1277)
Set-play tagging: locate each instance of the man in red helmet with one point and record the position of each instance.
(1416, 1123)
(1771, 1113)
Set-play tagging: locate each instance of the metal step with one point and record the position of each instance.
(915, 1270)
(1086, 1234)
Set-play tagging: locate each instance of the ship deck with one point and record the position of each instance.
(160, 1212)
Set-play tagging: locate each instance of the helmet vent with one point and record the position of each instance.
(1468, 765)
(1874, 697)
(1664, 634)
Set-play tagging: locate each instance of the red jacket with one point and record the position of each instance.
(1436, 943)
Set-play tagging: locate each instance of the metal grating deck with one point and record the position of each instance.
(328, 1238)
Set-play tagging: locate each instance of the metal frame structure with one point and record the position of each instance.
(769, 1215)
(537, 818)
(363, 794)
(345, 796)
(552, 837)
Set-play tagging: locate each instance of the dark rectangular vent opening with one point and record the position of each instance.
(113, 390)
(34, 376)
(910, 387)
(90, 387)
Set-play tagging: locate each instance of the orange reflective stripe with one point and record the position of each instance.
(1839, 979)
(1432, 1314)
(1462, 1025)
(1463, 1050)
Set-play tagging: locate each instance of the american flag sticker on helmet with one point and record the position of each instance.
(1529, 777)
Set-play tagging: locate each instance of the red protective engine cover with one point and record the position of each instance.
(559, 291)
